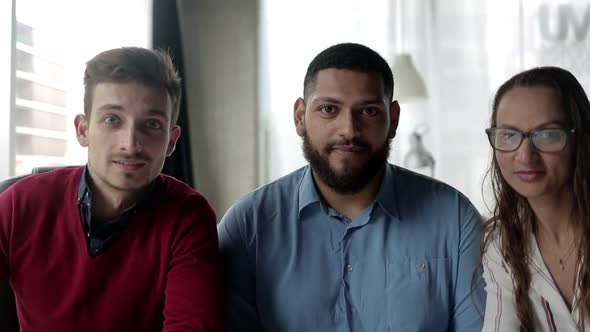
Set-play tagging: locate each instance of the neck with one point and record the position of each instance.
(109, 202)
(554, 216)
(350, 205)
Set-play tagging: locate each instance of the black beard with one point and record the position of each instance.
(352, 180)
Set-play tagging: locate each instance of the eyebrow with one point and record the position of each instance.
(375, 101)
(554, 122)
(119, 108)
(326, 100)
(110, 107)
(158, 112)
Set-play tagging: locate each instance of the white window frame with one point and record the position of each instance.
(7, 66)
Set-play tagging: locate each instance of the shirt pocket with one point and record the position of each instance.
(418, 293)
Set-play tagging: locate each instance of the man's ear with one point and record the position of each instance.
(299, 116)
(174, 135)
(81, 123)
(393, 118)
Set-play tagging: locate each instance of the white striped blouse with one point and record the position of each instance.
(550, 312)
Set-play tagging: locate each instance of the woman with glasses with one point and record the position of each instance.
(536, 246)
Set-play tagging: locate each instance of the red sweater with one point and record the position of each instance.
(161, 273)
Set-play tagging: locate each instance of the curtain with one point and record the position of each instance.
(167, 35)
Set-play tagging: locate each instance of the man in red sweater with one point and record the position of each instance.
(115, 245)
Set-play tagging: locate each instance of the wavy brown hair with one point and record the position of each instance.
(512, 217)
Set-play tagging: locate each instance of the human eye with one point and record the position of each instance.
(507, 135)
(327, 109)
(550, 135)
(153, 124)
(111, 120)
(507, 139)
(370, 111)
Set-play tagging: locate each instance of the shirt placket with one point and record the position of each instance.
(348, 269)
(347, 264)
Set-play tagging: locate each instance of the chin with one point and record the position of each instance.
(130, 184)
(530, 192)
(127, 186)
(346, 171)
(346, 166)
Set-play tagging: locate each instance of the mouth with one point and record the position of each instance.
(349, 148)
(129, 164)
(529, 176)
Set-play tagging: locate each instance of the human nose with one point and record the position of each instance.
(526, 152)
(131, 140)
(347, 125)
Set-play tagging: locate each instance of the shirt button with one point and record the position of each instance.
(421, 266)
(348, 268)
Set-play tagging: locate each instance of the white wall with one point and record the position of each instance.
(221, 39)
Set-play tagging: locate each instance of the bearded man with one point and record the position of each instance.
(351, 242)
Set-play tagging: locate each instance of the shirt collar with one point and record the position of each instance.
(307, 191)
(387, 195)
(83, 187)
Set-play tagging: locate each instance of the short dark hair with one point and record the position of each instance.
(350, 56)
(153, 68)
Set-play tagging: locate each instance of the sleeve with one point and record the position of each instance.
(239, 269)
(194, 298)
(500, 312)
(6, 209)
(469, 295)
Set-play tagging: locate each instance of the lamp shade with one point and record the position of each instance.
(409, 85)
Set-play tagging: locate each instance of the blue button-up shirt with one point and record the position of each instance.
(406, 263)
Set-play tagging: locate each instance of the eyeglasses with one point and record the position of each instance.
(543, 139)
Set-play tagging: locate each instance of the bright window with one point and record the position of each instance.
(463, 48)
(50, 42)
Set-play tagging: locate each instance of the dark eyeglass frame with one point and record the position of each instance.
(491, 132)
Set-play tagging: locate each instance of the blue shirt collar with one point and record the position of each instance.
(307, 191)
(386, 197)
